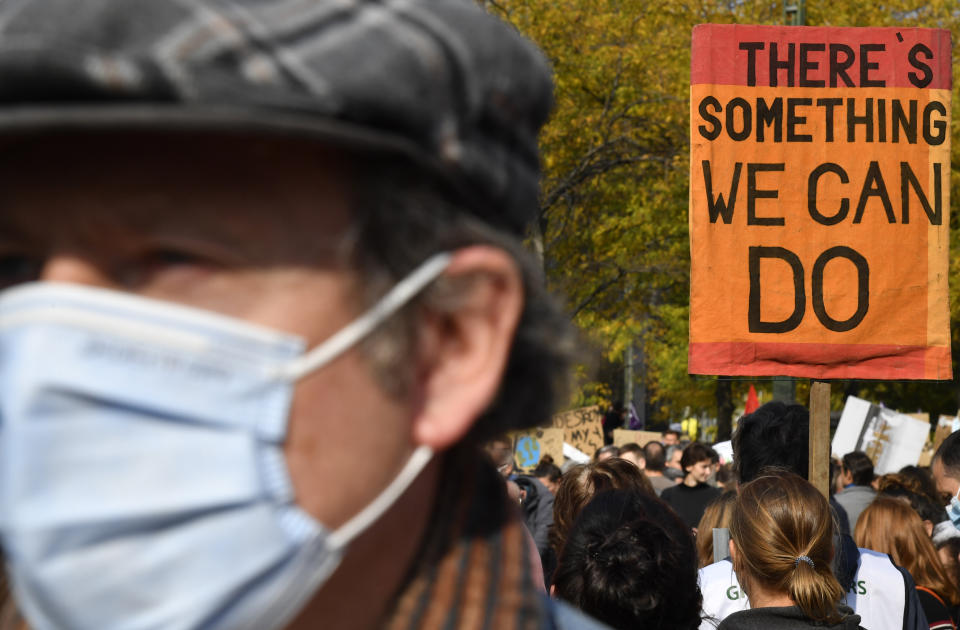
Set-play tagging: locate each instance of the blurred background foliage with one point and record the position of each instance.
(613, 223)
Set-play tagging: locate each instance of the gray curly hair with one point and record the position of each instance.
(401, 217)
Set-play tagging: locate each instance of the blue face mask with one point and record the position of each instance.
(953, 510)
(142, 477)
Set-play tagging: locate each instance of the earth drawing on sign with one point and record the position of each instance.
(528, 451)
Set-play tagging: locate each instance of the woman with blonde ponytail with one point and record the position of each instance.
(781, 545)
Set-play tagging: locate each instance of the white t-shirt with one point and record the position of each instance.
(878, 594)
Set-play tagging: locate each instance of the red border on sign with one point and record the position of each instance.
(717, 59)
(873, 361)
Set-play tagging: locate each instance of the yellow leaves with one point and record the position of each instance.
(615, 154)
(590, 392)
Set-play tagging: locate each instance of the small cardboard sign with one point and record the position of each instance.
(641, 438)
(582, 428)
(530, 446)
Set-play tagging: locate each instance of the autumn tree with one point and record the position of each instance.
(613, 225)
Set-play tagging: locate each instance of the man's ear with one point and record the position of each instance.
(464, 349)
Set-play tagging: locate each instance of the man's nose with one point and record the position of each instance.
(74, 269)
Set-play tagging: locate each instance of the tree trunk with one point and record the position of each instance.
(724, 409)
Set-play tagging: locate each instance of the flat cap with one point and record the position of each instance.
(440, 82)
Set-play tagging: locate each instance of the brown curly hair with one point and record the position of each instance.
(579, 484)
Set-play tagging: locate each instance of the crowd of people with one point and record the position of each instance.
(265, 298)
(751, 544)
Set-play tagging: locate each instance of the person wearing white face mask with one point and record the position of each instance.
(945, 467)
(240, 241)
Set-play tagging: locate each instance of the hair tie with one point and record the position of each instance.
(806, 559)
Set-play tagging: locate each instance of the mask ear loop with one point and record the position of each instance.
(359, 328)
(343, 340)
(375, 509)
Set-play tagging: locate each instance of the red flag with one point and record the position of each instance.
(752, 402)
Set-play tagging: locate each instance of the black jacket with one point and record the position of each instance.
(537, 508)
(785, 618)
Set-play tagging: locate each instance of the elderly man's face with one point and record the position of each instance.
(250, 231)
(255, 229)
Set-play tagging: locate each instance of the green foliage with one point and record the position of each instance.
(613, 227)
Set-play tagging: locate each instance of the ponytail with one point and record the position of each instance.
(815, 590)
(783, 530)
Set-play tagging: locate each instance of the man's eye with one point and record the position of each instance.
(16, 268)
(161, 265)
(172, 258)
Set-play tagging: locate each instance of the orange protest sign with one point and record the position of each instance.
(819, 202)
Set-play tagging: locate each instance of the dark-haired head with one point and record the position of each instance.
(696, 462)
(775, 435)
(581, 483)
(548, 473)
(910, 490)
(549, 470)
(946, 465)
(948, 454)
(858, 468)
(630, 563)
(696, 452)
(923, 480)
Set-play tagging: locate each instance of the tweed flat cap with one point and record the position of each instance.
(440, 82)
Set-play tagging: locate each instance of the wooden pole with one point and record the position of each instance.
(819, 453)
